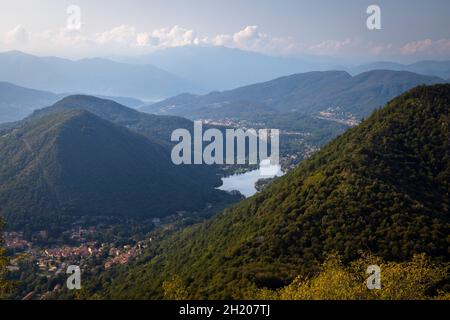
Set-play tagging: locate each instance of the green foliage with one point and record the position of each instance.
(411, 280)
(382, 187)
(175, 289)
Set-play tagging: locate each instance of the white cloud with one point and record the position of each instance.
(173, 37)
(427, 47)
(328, 47)
(17, 36)
(123, 36)
(127, 39)
(250, 38)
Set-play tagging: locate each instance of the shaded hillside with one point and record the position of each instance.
(73, 163)
(307, 93)
(154, 127)
(381, 187)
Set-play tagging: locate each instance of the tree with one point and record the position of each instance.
(4, 284)
(175, 289)
(418, 279)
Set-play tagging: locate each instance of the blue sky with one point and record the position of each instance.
(411, 29)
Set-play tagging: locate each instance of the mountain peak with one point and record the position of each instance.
(70, 163)
(77, 99)
(104, 108)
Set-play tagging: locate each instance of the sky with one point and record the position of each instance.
(411, 30)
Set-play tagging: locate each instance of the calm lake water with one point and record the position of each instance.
(245, 182)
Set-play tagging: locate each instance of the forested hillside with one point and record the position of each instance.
(380, 188)
(72, 163)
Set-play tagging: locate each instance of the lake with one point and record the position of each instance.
(245, 182)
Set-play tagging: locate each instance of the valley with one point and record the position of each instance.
(267, 240)
(87, 181)
(224, 159)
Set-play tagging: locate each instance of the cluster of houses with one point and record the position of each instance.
(51, 259)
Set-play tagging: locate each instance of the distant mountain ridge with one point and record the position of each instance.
(427, 67)
(95, 76)
(222, 68)
(18, 102)
(308, 93)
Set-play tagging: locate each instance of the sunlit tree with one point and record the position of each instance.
(175, 289)
(417, 279)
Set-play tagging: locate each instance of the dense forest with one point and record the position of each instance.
(73, 163)
(381, 189)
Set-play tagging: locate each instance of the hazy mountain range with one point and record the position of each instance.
(220, 68)
(18, 102)
(90, 76)
(307, 93)
(431, 68)
(172, 71)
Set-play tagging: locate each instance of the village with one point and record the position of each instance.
(52, 259)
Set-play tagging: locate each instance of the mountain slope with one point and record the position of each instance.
(156, 128)
(308, 93)
(382, 187)
(17, 102)
(73, 163)
(90, 76)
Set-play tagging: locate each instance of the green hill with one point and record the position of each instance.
(382, 187)
(73, 163)
(154, 127)
(307, 93)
